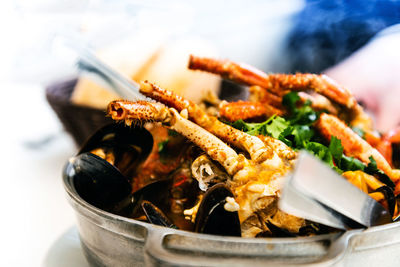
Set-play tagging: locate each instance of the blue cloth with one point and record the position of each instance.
(326, 32)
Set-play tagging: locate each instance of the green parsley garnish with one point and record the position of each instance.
(162, 146)
(297, 132)
(163, 150)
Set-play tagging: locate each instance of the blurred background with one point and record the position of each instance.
(355, 42)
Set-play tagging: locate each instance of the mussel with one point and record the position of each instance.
(155, 215)
(102, 168)
(309, 229)
(213, 218)
(98, 182)
(124, 147)
(102, 174)
(389, 197)
(155, 203)
(278, 231)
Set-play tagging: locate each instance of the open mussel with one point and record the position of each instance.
(154, 203)
(105, 169)
(389, 197)
(156, 193)
(213, 218)
(163, 200)
(102, 168)
(124, 147)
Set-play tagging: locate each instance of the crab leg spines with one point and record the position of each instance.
(166, 97)
(214, 147)
(129, 111)
(254, 146)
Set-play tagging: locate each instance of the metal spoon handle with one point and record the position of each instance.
(116, 82)
(316, 192)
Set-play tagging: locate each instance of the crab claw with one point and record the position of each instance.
(128, 111)
(257, 150)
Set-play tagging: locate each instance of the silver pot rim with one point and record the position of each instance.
(153, 236)
(68, 185)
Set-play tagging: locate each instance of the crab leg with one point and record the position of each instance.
(318, 102)
(241, 73)
(248, 110)
(244, 110)
(280, 84)
(136, 112)
(129, 112)
(353, 144)
(276, 83)
(254, 146)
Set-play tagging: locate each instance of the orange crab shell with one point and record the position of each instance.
(245, 110)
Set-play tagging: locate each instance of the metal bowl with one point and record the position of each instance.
(112, 240)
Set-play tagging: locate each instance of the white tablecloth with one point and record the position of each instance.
(37, 223)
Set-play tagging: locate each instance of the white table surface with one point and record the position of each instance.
(37, 225)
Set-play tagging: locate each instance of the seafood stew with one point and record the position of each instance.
(218, 167)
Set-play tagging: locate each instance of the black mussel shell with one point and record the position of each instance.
(277, 231)
(389, 196)
(309, 229)
(155, 216)
(97, 181)
(212, 218)
(170, 196)
(129, 145)
(381, 176)
(157, 193)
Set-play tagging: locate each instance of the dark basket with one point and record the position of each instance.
(80, 121)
